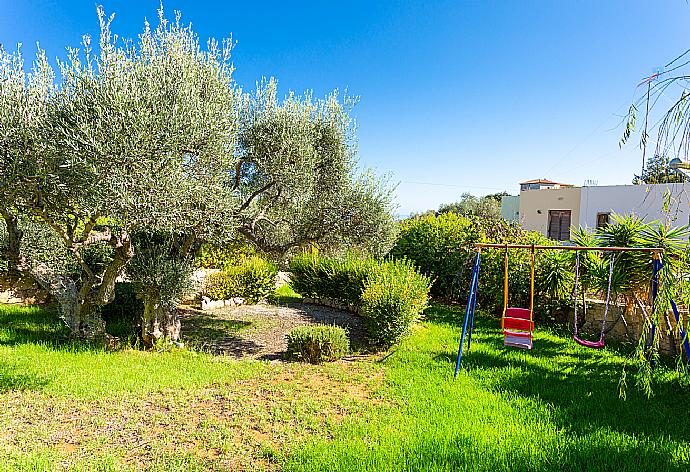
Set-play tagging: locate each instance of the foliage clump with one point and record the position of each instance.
(333, 278)
(443, 247)
(394, 297)
(253, 280)
(390, 294)
(317, 344)
(222, 255)
(154, 135)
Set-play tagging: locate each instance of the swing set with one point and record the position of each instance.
(518, 323)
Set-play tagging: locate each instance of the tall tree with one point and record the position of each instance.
(140, 135)
(147, 149)
(24, 97)
(300, 154)
(488, 206)
(658, 171)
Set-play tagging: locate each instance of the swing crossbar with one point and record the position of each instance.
(656, 250)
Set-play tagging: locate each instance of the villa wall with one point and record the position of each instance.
(649, 202)
(510, 208)
(535, 206)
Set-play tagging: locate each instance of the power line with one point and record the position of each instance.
(436, 184)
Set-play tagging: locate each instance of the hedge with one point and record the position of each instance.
(443, 249)
(391, 294)
(253, 280)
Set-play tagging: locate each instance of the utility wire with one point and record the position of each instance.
(436, 184)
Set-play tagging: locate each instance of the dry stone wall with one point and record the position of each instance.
(629, 326)
(24, 291)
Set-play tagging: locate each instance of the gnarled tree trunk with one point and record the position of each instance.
(160, 320)
(14, 237)
(80, 304)
(82, 317)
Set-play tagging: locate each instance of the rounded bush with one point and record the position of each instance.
(253, 280)
(220, 286)
(221, 256)
(316, 344)
(394, 297)
(391, 294)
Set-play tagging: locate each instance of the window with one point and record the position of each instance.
(559, 225)
(603, 219)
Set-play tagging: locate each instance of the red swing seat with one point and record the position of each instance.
(593, 344)
(518, 328)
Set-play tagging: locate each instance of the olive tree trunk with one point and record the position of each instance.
(14, 237)
(160, 320)
(80, 303)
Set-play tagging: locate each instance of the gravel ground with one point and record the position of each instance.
(258, 331)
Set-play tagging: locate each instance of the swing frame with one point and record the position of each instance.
(468, 325)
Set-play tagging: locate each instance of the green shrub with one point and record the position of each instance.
(222, 256)
(440, 247)
(394, 296)
(443, 247)
(316, 344)
(220, 286)
(253, 280)
(337, 279)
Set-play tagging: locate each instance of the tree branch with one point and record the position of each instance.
(255, 194)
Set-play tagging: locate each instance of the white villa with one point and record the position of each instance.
(552, 208)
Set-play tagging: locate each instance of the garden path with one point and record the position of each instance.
(258, 331)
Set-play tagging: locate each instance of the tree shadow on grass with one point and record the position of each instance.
(12, 378)
(216, 335)
(212, 328)
(33, 325)
(582, 387)
(460, 452)
(454, 315)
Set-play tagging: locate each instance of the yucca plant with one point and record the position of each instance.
(632, 279)
(555, 275)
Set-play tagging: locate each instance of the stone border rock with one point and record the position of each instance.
(333, 303)
(22, 291)
(208, 304)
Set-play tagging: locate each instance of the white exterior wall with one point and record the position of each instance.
(536, 204)
(510, 208)
(646, 201)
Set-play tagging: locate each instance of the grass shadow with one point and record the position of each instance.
(12, 378)
(33, 325)
(215, 335)
(581, 385)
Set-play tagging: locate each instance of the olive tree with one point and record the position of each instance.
(140, 135)
(24, 99)
(298, 156)
(147, 149)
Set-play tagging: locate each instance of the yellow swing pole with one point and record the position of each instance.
(531, 288)
(505, 285)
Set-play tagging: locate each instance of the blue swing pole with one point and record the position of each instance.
(474, 307)
(683, 336)
(655, 289)
(658, 265)
(469, 310)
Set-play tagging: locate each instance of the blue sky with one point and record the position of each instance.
(455, 96)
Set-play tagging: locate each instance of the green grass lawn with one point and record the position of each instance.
(555, 408)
